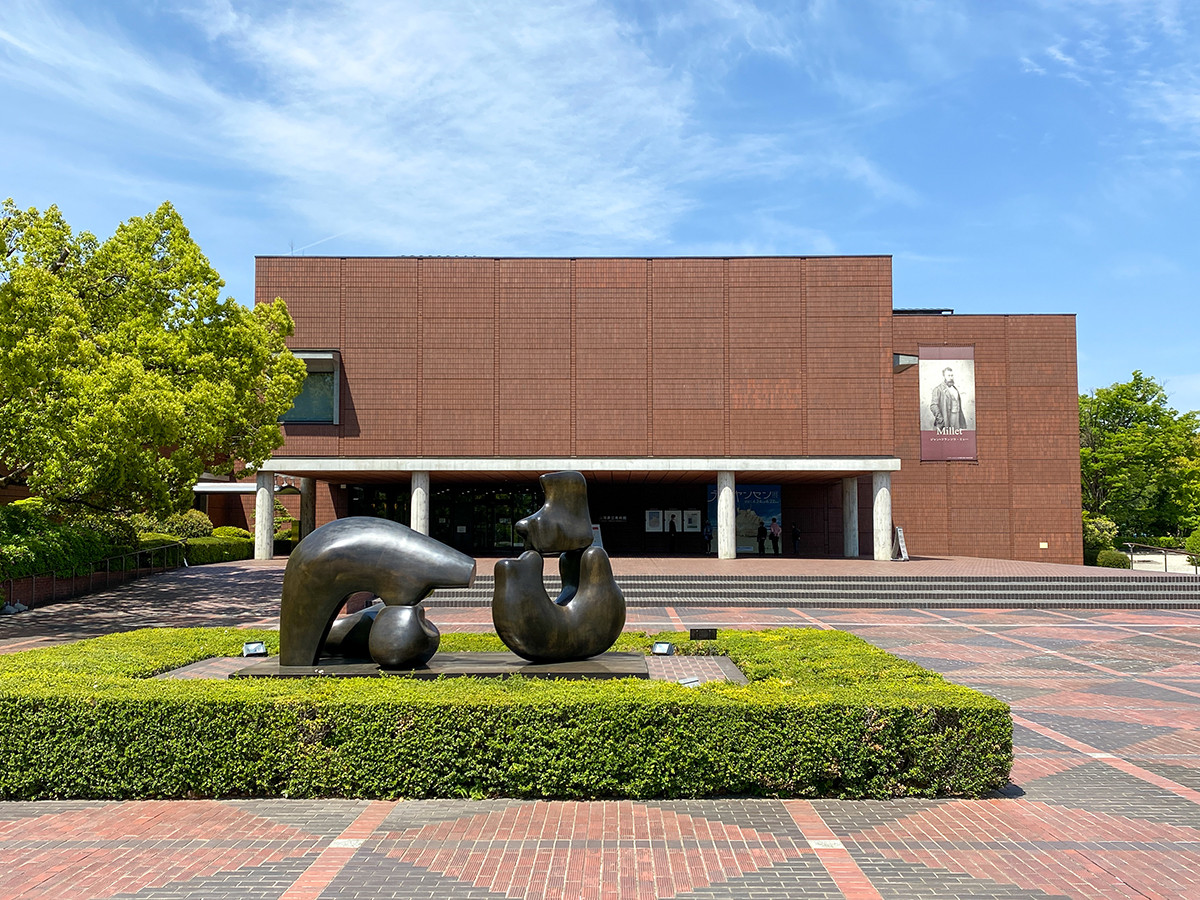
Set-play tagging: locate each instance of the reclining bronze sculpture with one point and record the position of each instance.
(589, 613)
(363, 553)
(402, 567)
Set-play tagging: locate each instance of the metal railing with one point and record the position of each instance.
(98, 575)
(1163, 550)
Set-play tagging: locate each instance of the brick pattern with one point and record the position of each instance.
(1104, 798)
(608, 357)
(679, 357)
(1024, 490)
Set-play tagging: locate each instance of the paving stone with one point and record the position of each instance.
(794, 878)
(1028, 739)
(848, 817)
(419, 813)
(13, 810)
(1097, 787)
(767, 816)
(937, 664)
(1103, 734)
(321, 817)
(1136, 690)
(265, 882)
(896, 880)
(382, 877)
(1050, 663)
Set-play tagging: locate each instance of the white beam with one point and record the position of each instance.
(881, 509)
(726, 515)
(333, 466)
(419, 507)
(264, 515)
(850, 517)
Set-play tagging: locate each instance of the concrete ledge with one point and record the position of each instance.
(459, 665)
(346, 465)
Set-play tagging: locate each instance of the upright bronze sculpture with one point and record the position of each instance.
(362, 553)
(589, 613)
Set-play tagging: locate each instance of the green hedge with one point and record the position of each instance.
(203, 550)
(1112, 559)
(231, 531)
(825, 714)
(34, 543)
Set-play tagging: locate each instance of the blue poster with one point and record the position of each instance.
(755, 506)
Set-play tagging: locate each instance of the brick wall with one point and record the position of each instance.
(604, 357)
(1024, 490)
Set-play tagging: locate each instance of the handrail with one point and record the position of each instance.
(92, 569)
(1163, 550)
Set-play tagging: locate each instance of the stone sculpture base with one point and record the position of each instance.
(458, 665)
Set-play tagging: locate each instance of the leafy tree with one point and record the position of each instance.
(1139, 459)
(123, 374)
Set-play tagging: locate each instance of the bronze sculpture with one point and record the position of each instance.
(589, 613)
(363, 553)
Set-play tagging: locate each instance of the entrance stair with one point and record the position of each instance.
(880, 591)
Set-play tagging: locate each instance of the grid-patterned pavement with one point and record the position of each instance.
(1104, 800)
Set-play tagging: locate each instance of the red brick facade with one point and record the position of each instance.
(759, 357)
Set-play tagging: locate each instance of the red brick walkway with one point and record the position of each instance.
(1103, 801)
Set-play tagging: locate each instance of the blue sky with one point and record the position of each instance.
(1011, 156)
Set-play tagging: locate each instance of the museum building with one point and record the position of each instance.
(724, 405)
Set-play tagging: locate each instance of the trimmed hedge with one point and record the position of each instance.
(231, 531)
(1112, 559)
(203, 550)
(825, 714)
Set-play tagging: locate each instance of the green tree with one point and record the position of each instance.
(1139, 459)
(123, 373)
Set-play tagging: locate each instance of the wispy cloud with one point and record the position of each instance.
(483, 127)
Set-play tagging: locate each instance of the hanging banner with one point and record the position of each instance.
(947, 384)
(757, 507)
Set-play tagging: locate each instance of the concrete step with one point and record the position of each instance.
(1167, 591)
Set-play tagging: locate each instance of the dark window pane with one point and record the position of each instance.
(315, 402)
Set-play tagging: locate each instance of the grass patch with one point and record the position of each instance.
(825, 714)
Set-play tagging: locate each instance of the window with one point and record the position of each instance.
(318, 399)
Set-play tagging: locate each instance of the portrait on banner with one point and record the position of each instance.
(946, 383)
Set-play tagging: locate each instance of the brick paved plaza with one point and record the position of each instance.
(1104, 800)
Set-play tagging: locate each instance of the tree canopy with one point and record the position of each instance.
(1139, 459)
(124, 374)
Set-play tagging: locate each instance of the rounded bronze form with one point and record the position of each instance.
(361, 553)
(402, 638)
(588, 615)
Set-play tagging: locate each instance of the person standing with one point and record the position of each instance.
(672, 528)
(762, 538)
(776, 533)
(707, 535)
(795, 539)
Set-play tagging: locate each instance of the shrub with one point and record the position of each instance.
(231, 531)
(32, 543)
(203, 550)
(150, 540)
(1098, 534)
(825, 714)
(1112, 559)
(1192, 546)
(189, 524)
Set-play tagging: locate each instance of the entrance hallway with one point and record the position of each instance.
(786, 505)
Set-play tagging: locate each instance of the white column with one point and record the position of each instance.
(850, 517)
(881, 509)
(308, 506)
(419, 506)
(264, 515)
(726, 516)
